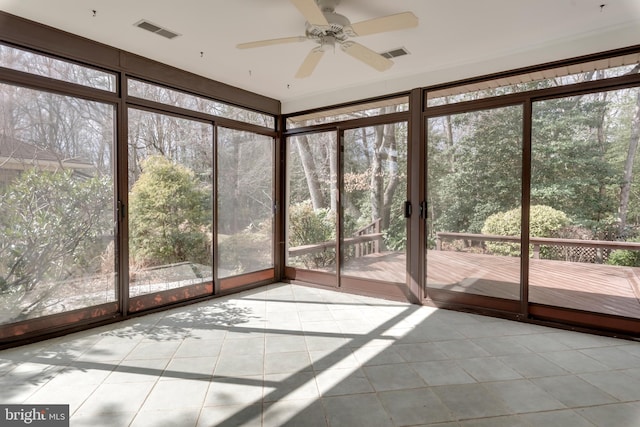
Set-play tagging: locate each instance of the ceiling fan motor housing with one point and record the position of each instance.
(339, 29)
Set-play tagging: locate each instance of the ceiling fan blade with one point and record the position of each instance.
(310, 63)
(270, 42)
(366, 55)
(399, 21)
(312, 13)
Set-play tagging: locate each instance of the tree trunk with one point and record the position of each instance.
(376, 182)
(394, 180)
(333, 173)
(602, 147)
(235, 177)
(310, 172)
(450, 143)
(628, 168)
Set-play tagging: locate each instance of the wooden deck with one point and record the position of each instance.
(385, 266)
(591, 287)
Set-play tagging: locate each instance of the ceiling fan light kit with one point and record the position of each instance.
(327, 28)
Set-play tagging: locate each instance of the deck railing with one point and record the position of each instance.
(373, 238)
(366, 240)
(536, 242)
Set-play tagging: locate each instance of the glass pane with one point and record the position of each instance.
(311, 223)
(170, 202)
(168, 96)
(562, 76)
(473, 202)
(370, 109)
(46, 66)
(57, 220)
(584, 188)
(375, 189)
(245, 202)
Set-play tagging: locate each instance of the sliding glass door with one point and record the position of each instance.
(575, 158)
(170, 208)
(373, 194)
(366, 233)
(245, 210)
(584, 175)
(57, 210)
(312, 170)
(473, 206)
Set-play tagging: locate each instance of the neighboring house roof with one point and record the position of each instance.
(20, 155)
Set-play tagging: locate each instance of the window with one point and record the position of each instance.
(560, 76)
(170, 202)
(312, 205)
(370, 109)
(46, 66)
(168, 96)
(374, 190)
(474, 167)
(57, 220)
(585, 175)
(245, 202)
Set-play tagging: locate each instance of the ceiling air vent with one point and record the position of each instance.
(146, 25)
(394, 53)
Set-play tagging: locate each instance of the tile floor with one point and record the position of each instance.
(297, 356)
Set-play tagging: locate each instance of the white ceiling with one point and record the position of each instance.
(455, 39)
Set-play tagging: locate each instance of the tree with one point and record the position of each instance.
(474, 169)
(167, 215)
(570, 170)
(375, 164)
(51, 230)
(312, 166)
(627, 179)
(310, 171)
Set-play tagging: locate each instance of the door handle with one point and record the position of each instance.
(407, 209)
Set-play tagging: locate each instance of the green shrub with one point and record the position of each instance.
(167, 215)
(544, 221)
(625, 257)
(52, 230)
(395, 236)
(308, 226)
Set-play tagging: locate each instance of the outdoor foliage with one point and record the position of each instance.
(167, 213)
(625, 257)
(309, 226)
(245, 202)
(395, 237)
(246, 251)
(475, 163)
(373, 189)
(583, 163)
(544, 221)
(51, 230)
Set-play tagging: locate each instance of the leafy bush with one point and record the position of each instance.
(52, 229)
(395, 237)
(544, 221)
(308, 226)
(246, 251)
(167, 215)
(625, 257)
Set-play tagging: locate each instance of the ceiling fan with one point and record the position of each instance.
(327, 28)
